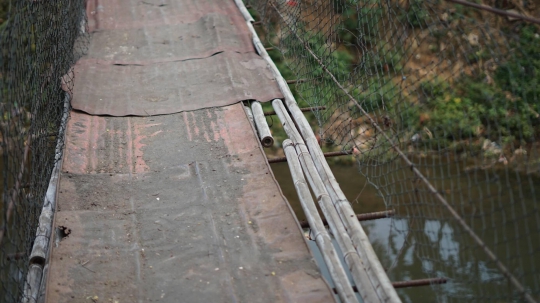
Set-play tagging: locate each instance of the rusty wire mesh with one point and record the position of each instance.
(440, 103)
(39, 42)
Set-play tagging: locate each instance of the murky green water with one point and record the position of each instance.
(424, 241)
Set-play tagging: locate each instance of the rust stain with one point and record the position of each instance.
(215, 131)
(155, 133)
(194, 125)
(106, 209)
(140, 164)
(82, 141)
(116, 14)
(234, 132)
(184, 114)
(91, 139)
(98, 127)
(129, 150)
(207, 137)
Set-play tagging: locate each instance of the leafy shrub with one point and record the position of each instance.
(520, 75)
(416, 15)
(359, 21)
(376, 96)
(473, 108)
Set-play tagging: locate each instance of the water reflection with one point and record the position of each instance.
(397, 245)
(424, 241)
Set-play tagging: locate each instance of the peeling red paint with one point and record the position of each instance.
(129, 150)
(140, 164)
(90, 138)
(234, 133)
(113, 14)
(215, 131)
(83, 132)
(184, 114)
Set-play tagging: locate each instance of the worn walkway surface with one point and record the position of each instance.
(160, 57)
(180, 207)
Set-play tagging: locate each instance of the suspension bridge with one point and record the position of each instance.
(134, 135)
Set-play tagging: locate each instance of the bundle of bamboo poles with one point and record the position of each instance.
(367, 272)
(321, 236)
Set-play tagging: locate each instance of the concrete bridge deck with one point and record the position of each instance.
(165, 193)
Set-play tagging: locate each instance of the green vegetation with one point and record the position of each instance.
(376, 96)
(4, 9)
(359, 23)
(493, 95)
(505, 111)
(416, 15)
(520, 75)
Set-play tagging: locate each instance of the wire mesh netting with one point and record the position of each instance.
(39, 42)
(440, 104)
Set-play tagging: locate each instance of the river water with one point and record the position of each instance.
(424, 241)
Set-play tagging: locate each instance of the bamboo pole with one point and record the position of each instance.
(323, 240)
(41, 242)
(411, 283)
(44, 230)
(249, 115)
(367, 290)
(244, 11)
(262, 126)
(360, 217)
(420, 282)
(296, 81)
(304, 109)
(326, 155)
(42, 288)
(32, 285)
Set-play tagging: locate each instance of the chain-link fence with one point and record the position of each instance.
(440, 104)
(39, 42)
